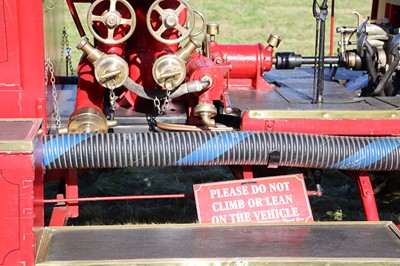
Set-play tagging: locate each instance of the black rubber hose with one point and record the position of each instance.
(225, 148)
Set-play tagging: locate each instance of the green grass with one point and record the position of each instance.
(292, 20)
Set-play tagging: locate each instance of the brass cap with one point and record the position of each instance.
(212, 28)
(88, 120)
(274, 40)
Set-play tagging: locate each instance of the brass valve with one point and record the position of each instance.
(111, 70)
(169, 71)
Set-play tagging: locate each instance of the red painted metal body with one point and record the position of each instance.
(367, 196)
(21, 195)
(22, 87)
(247, 64)
(392, 13)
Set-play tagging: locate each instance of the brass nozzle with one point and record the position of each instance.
(92, 53)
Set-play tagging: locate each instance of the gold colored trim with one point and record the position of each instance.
(19, 135)
(195, 225)
(46, 238)
(231, 261)
(44, 245)
(324, 114)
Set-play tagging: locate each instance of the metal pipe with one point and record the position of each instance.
(290, 60)
(221, 148)
(328, 60)
(115, 198)
(321, 70)
(150, 94)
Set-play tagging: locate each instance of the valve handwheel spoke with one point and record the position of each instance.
(180, 8)
(110, 35)
(125, 21)
(161, 30)
(97, 18)
(112, 19)
(180, 28)
(169, 19)
(159, 10)
(113, 5)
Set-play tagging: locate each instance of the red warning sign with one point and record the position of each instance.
(268, 199)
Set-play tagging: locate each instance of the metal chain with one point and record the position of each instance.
(63, 44)
(162, 108)
(113, 97)
(66, 52)
(50, 68)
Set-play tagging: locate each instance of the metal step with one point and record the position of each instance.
(250, 244)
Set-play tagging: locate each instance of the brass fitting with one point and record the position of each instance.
(111, 71)
(92, 53)
(89, 120)
(206, 112)
(274, 40)
(212, 30)
(352, 60)
(186, 51)
(169, 71)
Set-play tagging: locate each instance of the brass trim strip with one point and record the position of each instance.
(196, 225)
(324, 114)
(31, 137)
(394, 229)
(44, 245)
(230, 261)
(46, 239)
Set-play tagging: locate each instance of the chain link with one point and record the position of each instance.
(56, 112)
(162, 108)
(112, 96)
(66, 52)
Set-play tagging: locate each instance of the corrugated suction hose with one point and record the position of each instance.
(224, 148)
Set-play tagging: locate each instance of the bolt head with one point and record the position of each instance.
(111, 20)
(170, 21)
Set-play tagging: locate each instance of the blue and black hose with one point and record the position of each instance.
(223, 148)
